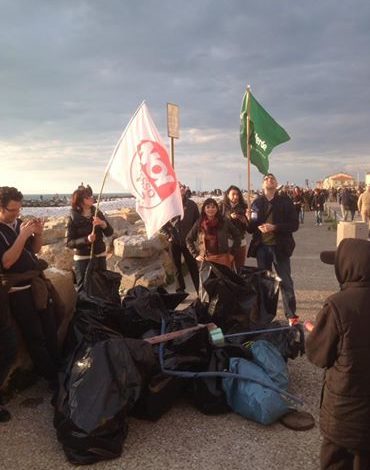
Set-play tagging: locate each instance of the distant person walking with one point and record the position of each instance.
(363, 205)
(318, 202)
(80, 233)
(272, 223)
(346, 203)
(208, 240)
(175, 232)
(233, 207)
(298, 203)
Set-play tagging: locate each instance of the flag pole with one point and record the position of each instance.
(248, 153)
(108, 167)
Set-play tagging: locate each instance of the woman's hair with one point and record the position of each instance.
(208, 201)
(78, 197)
(226, 199)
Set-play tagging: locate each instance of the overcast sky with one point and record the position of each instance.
(73, 72)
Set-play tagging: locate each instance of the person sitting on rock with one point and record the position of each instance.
(8, 349)
(24, 289)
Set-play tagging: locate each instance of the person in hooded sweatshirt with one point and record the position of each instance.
(340, 343)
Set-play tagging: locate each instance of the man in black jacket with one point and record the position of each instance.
(19, 243)
(176, 231)
(272, 222)
(8, 350)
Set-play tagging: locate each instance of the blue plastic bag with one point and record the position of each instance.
(251, 399)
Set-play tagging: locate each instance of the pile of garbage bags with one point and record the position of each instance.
(110, 371)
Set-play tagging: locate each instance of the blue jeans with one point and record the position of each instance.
(318, 214)
(266, 257)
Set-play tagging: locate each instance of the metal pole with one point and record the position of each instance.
(172, 140)
(248, 154)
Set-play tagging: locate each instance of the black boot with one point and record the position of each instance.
(4, 415)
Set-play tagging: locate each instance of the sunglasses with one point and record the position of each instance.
(13, 210)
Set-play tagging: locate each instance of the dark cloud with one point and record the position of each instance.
(73, 73)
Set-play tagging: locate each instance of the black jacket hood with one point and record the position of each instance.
(352, 261)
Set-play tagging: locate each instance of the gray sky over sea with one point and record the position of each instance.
(73, 72)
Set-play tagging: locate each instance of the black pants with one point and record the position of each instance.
(334, 457)
(176, 251)
(81, 266)
(39, 332)
(8, 350)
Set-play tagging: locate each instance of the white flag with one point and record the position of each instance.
(141, 164)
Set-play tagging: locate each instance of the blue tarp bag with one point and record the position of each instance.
(250, 398)
(267, 356)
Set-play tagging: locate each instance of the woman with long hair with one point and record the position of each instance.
(86, 228)
(208, 240)
(233, 207)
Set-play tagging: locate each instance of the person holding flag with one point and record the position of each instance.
(272, 218)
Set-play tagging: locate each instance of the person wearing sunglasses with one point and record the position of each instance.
(20, 241)
(272, 221)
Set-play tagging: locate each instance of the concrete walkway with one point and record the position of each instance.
(184, 438)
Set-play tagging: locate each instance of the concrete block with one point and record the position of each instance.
(352, 230)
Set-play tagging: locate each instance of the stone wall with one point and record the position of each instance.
(140, 261)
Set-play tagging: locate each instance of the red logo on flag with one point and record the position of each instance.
(151, 174)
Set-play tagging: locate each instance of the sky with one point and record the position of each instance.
(73, 73)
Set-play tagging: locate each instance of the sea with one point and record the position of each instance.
(49, 197)
(110, 202)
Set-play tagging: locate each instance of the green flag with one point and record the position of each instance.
(265, 133)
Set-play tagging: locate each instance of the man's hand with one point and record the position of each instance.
(27, 229)
(266, 228)
(200, 258)
(38, 226)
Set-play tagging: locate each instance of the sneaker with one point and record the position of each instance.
(294, 320)
(4, 415)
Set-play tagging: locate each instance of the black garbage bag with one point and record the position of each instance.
(101, 283)
(159, 396)
(170, 300)
(207, 394)
(289, 342)
(91, 314)
(239, 302)
(231, 301)
(188, 352)
(266, 285)
(142, 310)
(98, 387)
